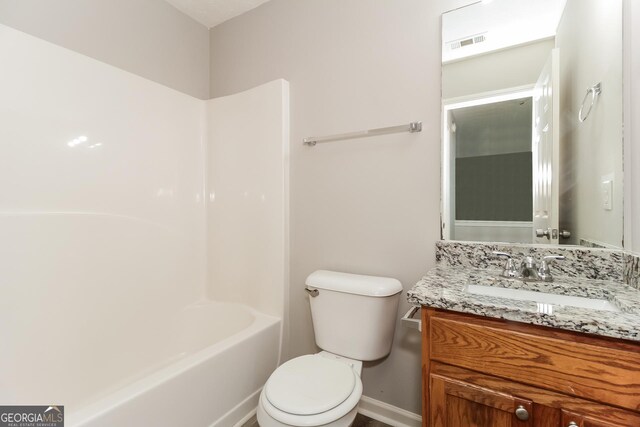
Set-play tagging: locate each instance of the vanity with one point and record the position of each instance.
(532, 156)
(495, 355)
(488, 372)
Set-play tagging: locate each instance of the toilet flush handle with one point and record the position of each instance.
(312, 292)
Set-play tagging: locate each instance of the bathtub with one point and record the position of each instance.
(205, 366)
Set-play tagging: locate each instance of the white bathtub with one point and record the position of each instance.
(205, 367)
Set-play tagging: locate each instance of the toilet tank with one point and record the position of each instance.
(353, 315)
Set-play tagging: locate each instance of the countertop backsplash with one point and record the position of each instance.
(580, 262)
(611, 275)
(631, 274)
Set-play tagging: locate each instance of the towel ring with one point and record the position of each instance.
(594, 91)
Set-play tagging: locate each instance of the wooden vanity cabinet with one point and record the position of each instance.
(573, 419)
(456, 403)
(481, 372)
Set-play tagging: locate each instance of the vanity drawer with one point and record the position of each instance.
(600, 369)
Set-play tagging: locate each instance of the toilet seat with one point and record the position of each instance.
(311, 390)
(309, 385)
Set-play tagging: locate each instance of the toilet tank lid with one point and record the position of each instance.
(358, 284)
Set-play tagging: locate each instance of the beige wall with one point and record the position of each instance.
(146, 37)
(366, 206)
(509, 68)
(590, 42)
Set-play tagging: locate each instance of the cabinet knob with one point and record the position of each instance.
(572, 424)
(521, 413)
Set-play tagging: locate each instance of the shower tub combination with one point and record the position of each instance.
(129, 293)
(214, 359)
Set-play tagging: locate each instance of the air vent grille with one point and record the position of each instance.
(469, 41)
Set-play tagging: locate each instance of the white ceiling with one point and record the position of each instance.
(213, 12)
(504, 23)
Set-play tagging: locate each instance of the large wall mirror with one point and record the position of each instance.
(532, 134)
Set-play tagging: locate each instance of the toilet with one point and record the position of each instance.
(354, 319)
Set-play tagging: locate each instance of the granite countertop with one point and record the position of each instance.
(445, 287)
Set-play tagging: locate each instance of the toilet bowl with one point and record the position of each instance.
(320, 389)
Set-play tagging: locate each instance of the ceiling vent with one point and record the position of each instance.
(469, 41)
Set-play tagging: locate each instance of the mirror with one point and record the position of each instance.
(532, 133)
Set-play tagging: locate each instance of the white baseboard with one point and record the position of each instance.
(249, 417)
(388, 414)
(241, 413)
(369, 407)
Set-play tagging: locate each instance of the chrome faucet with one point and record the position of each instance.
(509, 269)
(528, 270)
(544, 272)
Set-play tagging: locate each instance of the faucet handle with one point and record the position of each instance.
(509, 269)
(544, 271)
(549, 259)
(499, 254)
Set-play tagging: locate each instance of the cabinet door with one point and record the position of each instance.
(574, 419)
(454, 404)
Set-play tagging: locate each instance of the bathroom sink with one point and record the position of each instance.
(545, 301)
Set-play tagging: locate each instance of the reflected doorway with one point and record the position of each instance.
(488, 168)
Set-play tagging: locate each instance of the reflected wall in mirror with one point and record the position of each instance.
(532, 122)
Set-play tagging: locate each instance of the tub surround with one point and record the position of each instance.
(585, 273)
(114, 212)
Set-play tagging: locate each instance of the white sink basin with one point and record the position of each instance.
(545, 301)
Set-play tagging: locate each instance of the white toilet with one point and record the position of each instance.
(354, 319)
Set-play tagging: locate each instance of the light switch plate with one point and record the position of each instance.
(607, 195)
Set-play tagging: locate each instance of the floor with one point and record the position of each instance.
(251, 423)
(361, 421)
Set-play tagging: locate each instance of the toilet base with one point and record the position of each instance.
(264, 420)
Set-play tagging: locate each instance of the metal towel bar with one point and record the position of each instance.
(411, 127)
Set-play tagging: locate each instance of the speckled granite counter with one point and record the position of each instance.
(445, 287)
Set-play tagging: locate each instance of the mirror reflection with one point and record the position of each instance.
(532, 122)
